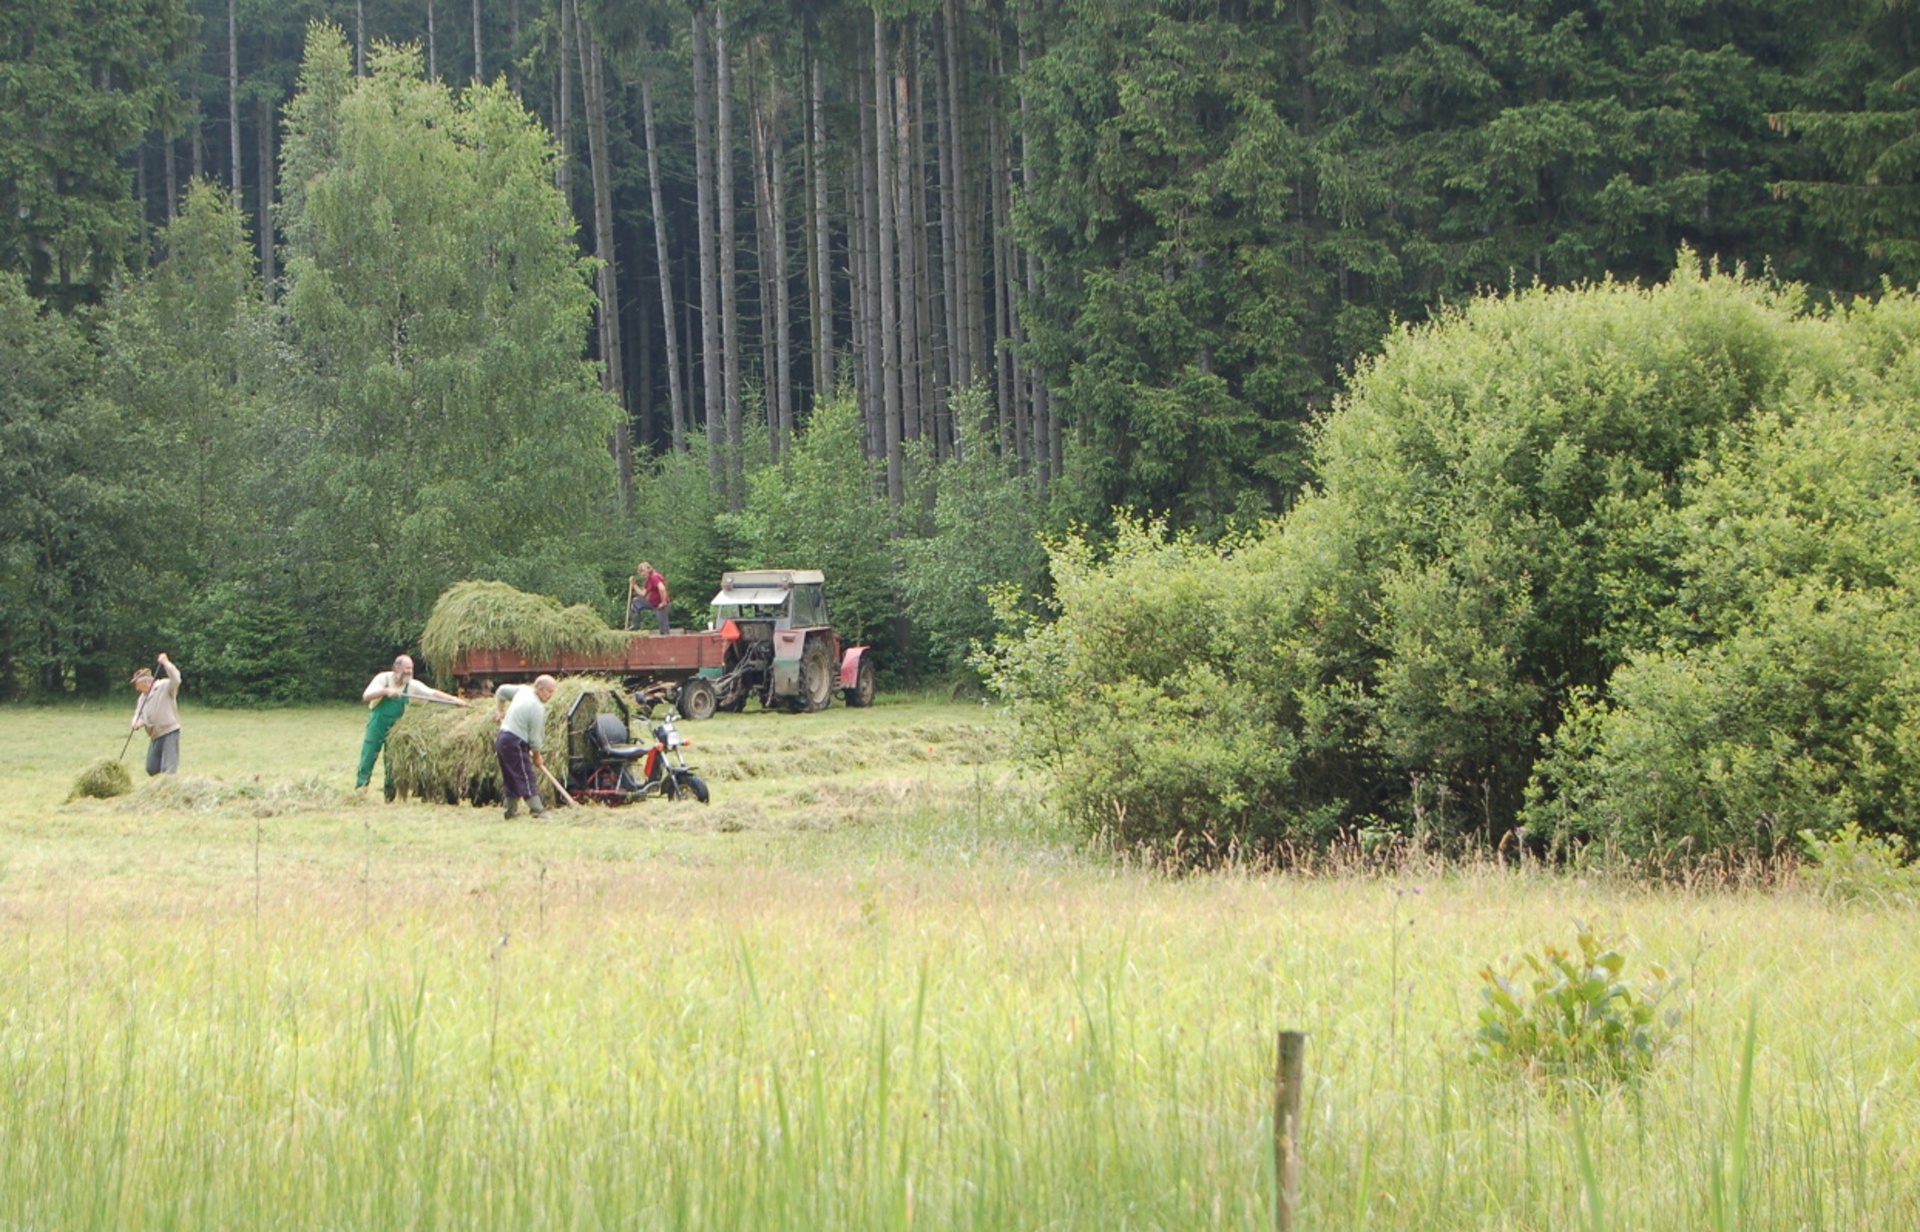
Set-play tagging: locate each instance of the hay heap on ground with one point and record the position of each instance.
(489, 615)
(445, 755)
(104, 778)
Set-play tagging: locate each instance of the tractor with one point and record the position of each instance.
(780, 647)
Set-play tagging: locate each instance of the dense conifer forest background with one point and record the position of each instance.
(309, 309)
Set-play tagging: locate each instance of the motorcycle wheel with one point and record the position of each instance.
(686, 785)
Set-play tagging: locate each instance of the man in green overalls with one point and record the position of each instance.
(386, 696)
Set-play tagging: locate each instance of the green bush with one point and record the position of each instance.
(1779, 691)
(1850, 866)
(1489, 532)
(1129, 697)
(1569, 1014)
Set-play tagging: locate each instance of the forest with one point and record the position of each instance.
(308, 310)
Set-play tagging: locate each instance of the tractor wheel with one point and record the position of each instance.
(816, 676)
(861, 694)
(697, 699)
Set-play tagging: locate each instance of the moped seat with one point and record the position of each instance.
(609, 736)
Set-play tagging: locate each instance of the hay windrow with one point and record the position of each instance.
(488, 615)
(251, 797)
(445, 755)
(104, 778)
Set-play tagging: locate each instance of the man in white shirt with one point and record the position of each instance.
(386, 696)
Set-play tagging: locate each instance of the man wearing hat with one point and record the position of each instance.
(159, 713)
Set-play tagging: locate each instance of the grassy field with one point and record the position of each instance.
(869, 987)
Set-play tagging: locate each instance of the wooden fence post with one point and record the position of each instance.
(1287, 1080)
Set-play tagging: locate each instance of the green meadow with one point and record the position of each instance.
(872, 986)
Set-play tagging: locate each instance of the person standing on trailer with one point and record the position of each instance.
(386, 696)
(159, 713)
(647, 591)
(523, 730)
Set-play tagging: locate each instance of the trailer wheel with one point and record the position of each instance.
(697, 699)
(861, 694)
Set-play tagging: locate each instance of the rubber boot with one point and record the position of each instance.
(535, 807)
(513, 807)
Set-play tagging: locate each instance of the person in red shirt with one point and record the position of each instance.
(647, 591)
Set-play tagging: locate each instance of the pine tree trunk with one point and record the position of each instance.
(197, 143)
(142, 191)
(479, 69)
(867, 342)
(729, 265)
(233, 101)
(905, 248)
(637, 351)
(782, 307)
(889, 286)
(1041, 452)
(1056, 446)
(612, 372)
(764, 267)
(433, 47)
(171, 172)
(265, 181)
(689, 294)
(563, 108)
(1002, 301)
(709, 258)
(926, 300)
(823, 243)
(360, 37)
(959, 221)
(664, 258)
(864, 357)
(947, 166)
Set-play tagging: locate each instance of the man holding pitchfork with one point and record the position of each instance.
(386, 696)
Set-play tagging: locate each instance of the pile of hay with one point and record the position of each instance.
(104, 778)
(444, 755)
(490, 615)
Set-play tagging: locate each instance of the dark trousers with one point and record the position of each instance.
(516, 768)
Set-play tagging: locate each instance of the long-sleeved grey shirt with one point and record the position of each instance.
(526, 715)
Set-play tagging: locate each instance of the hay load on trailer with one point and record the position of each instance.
(480, 616)
(770, 639)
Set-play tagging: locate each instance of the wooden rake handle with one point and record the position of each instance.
(557, 787)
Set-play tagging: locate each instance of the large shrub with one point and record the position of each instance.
(1781, 691)
(1490, 531)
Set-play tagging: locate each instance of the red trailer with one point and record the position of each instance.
(775, 642)
(654, 663)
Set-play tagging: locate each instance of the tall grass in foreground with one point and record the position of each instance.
(655, 1045)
